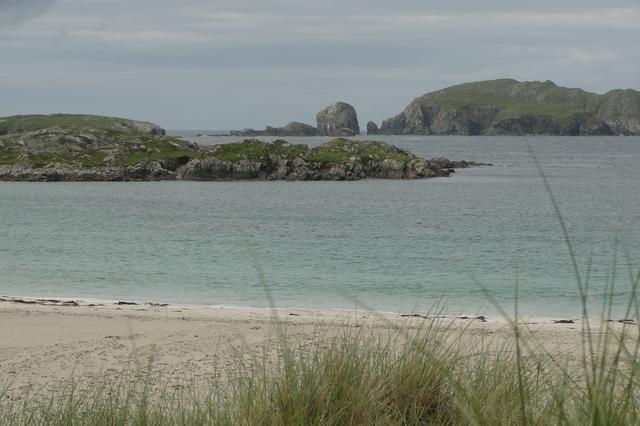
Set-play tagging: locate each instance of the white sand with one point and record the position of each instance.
(43, 345)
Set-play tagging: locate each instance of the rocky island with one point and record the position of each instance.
(510, 107)
(93, 148)
(294, 128)
(340, 159)
(87, 148)
(338, 119)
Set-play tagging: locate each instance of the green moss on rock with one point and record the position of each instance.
(253, 149)
(334, 151)
(342, 149)
(87, 142)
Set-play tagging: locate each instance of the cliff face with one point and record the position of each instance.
(620, 110)
(509, 107)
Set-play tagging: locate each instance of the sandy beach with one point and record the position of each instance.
(45, 343)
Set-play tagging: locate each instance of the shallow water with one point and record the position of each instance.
(389, 245)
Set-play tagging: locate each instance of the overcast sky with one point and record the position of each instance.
(226, 64)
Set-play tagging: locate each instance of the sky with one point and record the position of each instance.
(232, 64)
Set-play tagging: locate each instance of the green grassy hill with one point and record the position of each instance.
(510, 107)
(27, 123)
(80, 143)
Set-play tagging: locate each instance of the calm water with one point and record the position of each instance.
(390, 245)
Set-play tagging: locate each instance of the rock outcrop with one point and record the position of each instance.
(372, 128)
(296, 128)
(510, 107)
(144, 171)
(339, 119)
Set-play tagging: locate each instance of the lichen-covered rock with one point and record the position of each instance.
(339, 119)
(510, 107)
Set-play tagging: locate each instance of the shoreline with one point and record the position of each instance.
(63, 301)
(45, 344)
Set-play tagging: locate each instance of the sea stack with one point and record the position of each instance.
(339, 119)
(372, 128)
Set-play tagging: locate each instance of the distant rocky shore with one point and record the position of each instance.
(489, 108)
(338, 119)
(93, 148)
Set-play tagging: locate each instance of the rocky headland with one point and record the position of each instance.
(338, 119)
(93, 148)
(510, 107)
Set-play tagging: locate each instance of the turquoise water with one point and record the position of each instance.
(389, 245)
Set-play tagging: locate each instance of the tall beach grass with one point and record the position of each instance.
(416, 374)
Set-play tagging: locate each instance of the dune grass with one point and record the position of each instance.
(423, 375)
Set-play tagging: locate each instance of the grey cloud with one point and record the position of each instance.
(13, 12)
(228, 64)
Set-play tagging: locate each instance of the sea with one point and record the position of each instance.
(485, 241)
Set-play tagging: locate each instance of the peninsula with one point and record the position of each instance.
(94, 148)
